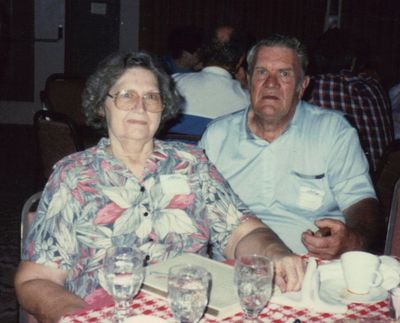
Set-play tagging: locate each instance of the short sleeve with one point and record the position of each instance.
(348, 169)
(224, 208)
(51, 239)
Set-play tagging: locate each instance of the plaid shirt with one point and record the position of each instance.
(365, 104)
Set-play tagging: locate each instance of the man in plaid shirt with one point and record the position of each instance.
(359, 95)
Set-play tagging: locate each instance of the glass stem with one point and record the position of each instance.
(121, 311)
(251, 316)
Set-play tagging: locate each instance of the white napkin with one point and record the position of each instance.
(389, 268)
(308, 297)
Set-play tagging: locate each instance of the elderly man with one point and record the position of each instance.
(300, 168)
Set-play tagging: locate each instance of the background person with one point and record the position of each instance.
(340, 84)
(298, 167)
(213, 91)
(183, 55)
(131, 189)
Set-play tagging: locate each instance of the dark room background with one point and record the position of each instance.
(375, 21)
(88, 40)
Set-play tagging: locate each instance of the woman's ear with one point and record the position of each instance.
(101, 112)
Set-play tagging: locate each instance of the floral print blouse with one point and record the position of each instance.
(92, 201)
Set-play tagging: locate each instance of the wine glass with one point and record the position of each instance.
(188, 289)
(124, 272)
(253, 280)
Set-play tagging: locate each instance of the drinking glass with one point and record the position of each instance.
(253, 280)
(188, 289)
(124, 272)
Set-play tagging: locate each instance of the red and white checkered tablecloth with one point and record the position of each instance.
(148, 304)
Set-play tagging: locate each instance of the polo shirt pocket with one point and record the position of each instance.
(300, 192)
(310, 190)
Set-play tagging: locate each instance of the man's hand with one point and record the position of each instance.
(254, 237)
(329, 246)
(289, 272)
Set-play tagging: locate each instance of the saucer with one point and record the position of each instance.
(336, 289)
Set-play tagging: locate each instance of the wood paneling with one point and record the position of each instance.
(378, 23)
(257, 17)
(375, 20)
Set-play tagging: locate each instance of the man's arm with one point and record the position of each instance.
(357, 233)
(40, 291)
(254, 237)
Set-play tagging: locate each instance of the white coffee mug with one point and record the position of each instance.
(361, 271)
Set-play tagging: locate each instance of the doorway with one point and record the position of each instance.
(92, 33)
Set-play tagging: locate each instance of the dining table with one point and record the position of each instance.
(146, 303)
(101, 308)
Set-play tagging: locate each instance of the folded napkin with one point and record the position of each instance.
(389, 268)
(308, 297)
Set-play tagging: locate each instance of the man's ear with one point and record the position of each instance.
(303, 85)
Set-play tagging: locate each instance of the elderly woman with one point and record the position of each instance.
(164, 197)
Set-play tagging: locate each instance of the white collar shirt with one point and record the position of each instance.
(211, 93)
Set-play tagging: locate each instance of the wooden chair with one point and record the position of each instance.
(384, 179)
(56, 137)
(27, 215)
(392, 245)
(64, 95)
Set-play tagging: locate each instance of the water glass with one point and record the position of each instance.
(253, 280)
(124, 272)
(188, 291)
(394, 304)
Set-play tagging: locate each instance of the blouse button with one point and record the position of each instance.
(145, 213)
(142, 189)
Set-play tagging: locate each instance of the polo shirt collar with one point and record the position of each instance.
(216, 70)
(247, 134)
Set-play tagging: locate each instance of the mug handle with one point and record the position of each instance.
(378, 279)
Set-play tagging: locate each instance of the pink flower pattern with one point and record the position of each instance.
(93, 201)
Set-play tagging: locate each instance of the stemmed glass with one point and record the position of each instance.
(124, 272)
(188, 289)
(253, 280)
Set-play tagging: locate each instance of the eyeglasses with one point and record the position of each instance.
(127, 100)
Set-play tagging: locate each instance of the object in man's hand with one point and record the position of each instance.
(323, 232)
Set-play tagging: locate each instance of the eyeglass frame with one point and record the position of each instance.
(142, 97)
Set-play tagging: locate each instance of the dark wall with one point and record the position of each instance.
(377, 21)
(16, 50)
(301, 18)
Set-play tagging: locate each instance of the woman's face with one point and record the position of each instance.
(132, 120)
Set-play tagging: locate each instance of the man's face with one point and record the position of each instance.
(276, 84)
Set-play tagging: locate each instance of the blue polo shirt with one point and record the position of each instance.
(315, 169)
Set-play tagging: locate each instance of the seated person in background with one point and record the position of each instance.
(184, 43)
(223, 33)
(131, 189)
(300, 168)
(338, 85)
(213, 91)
